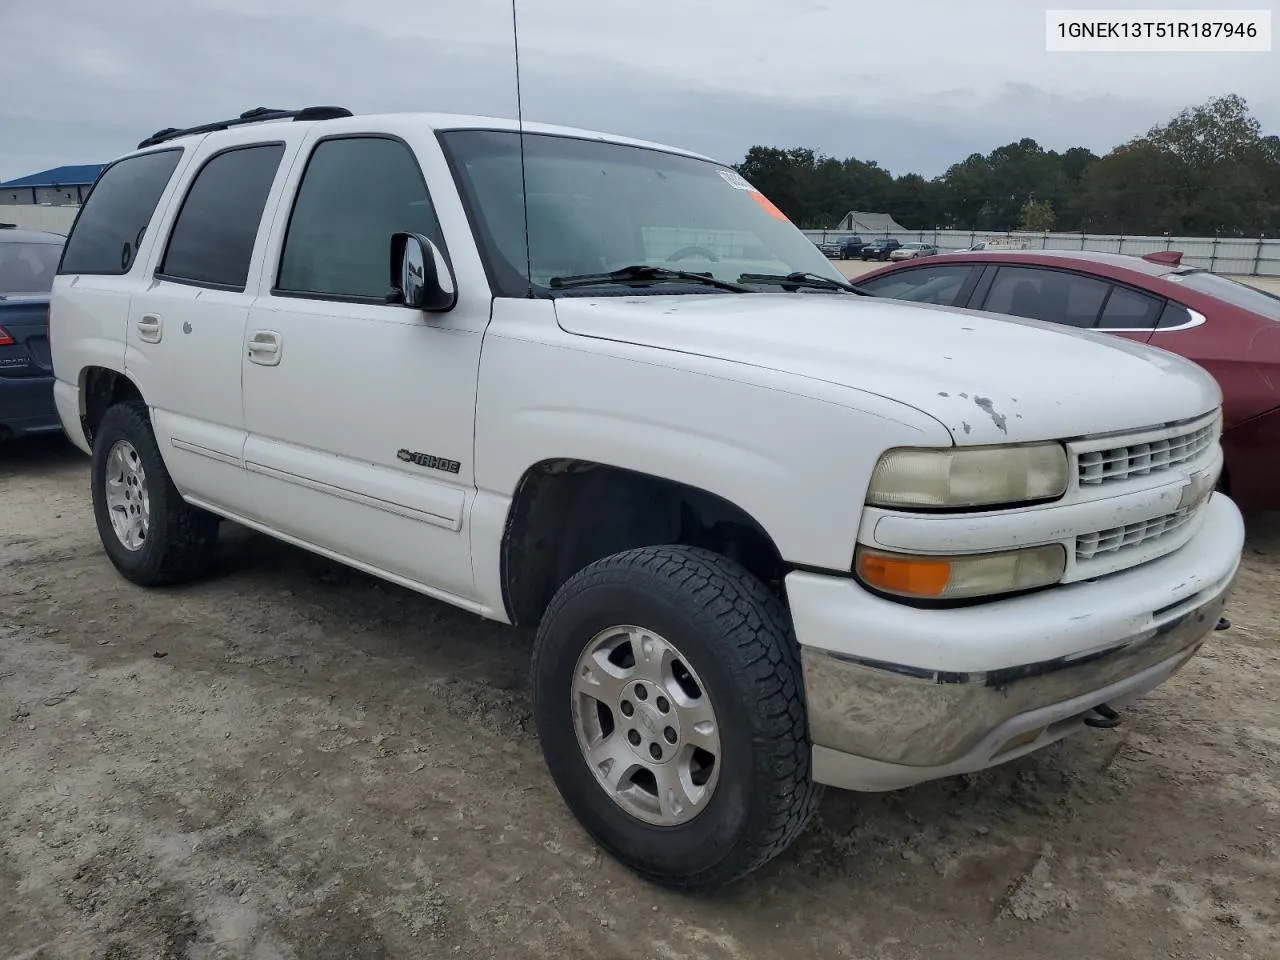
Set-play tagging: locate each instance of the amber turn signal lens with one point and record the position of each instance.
(959, 577)
(912, 576)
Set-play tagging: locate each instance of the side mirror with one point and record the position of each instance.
(419, 274)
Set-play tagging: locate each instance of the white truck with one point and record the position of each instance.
(773, 534)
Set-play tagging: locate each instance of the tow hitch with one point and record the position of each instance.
(1103, 717)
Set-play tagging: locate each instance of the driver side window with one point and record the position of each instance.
(941, 284)
(356, 192)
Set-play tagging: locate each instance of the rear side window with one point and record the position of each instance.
(1051, 295)
(356, 192)
(111, 224)
(1174, 315)
(213, 236)
(1129, 310)
(940, 284)
(1237, 294)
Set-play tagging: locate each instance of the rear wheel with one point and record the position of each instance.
(149, 532)
(670, 709)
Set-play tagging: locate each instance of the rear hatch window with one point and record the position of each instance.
(1229, 291)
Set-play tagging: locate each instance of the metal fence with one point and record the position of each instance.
(30, 216)
(1229, 255)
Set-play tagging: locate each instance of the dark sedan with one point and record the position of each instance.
(28, 261)
(1229, 328)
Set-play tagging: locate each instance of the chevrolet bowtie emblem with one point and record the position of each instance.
(1199, 486)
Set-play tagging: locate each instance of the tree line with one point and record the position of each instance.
(1207, 171)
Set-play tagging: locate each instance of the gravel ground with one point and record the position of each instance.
(292, 760)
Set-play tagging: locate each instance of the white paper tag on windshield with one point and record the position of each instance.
(735, 180)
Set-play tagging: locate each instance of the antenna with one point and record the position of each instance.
(524, 183)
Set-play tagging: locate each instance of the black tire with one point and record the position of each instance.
(737, 637)
(181, 539)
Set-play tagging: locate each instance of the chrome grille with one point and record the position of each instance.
(1095, 467)
(1115, 539)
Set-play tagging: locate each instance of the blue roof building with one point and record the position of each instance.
(60, 185)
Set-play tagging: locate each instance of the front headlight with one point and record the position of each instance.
(960, 577)
(969, 476)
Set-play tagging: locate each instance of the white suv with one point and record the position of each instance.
(772, 533)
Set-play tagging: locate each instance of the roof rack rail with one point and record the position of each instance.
(256, 115)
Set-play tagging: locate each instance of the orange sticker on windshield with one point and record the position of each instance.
(768, 205)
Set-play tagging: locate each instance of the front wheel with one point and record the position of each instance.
(151, 535)
(670, 707)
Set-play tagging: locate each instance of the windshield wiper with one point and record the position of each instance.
(641, 273)
(795, 280)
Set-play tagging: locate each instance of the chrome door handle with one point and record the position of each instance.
(150, 328)
(265, 347)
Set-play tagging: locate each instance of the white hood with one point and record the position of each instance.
(988, 379)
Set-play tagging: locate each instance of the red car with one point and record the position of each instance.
(1230, 329)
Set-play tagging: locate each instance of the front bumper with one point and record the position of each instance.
(899, 695)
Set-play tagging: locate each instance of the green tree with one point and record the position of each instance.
(1038, 215)
(1076, 161)
(915, 202)
(1221, 130)
(1133, 189)
(1207, 170)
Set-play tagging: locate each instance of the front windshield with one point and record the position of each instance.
(1237, 294)
(598, 207)
(27, 267)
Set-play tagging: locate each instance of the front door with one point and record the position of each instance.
(360, 414)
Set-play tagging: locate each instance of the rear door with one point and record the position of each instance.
(1070, 298)
(100, 269)
(184, 336)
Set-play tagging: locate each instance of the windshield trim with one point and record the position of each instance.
(480, 234)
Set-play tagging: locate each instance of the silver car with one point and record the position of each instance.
(909, 251)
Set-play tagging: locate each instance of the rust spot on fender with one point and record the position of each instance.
(989, 408)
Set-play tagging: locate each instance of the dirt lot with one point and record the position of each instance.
(291, 760)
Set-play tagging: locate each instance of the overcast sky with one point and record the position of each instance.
(912, 84)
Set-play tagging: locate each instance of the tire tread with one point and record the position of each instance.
(187, 535)
(732, 605)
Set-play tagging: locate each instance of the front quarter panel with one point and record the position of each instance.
(793, 453)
